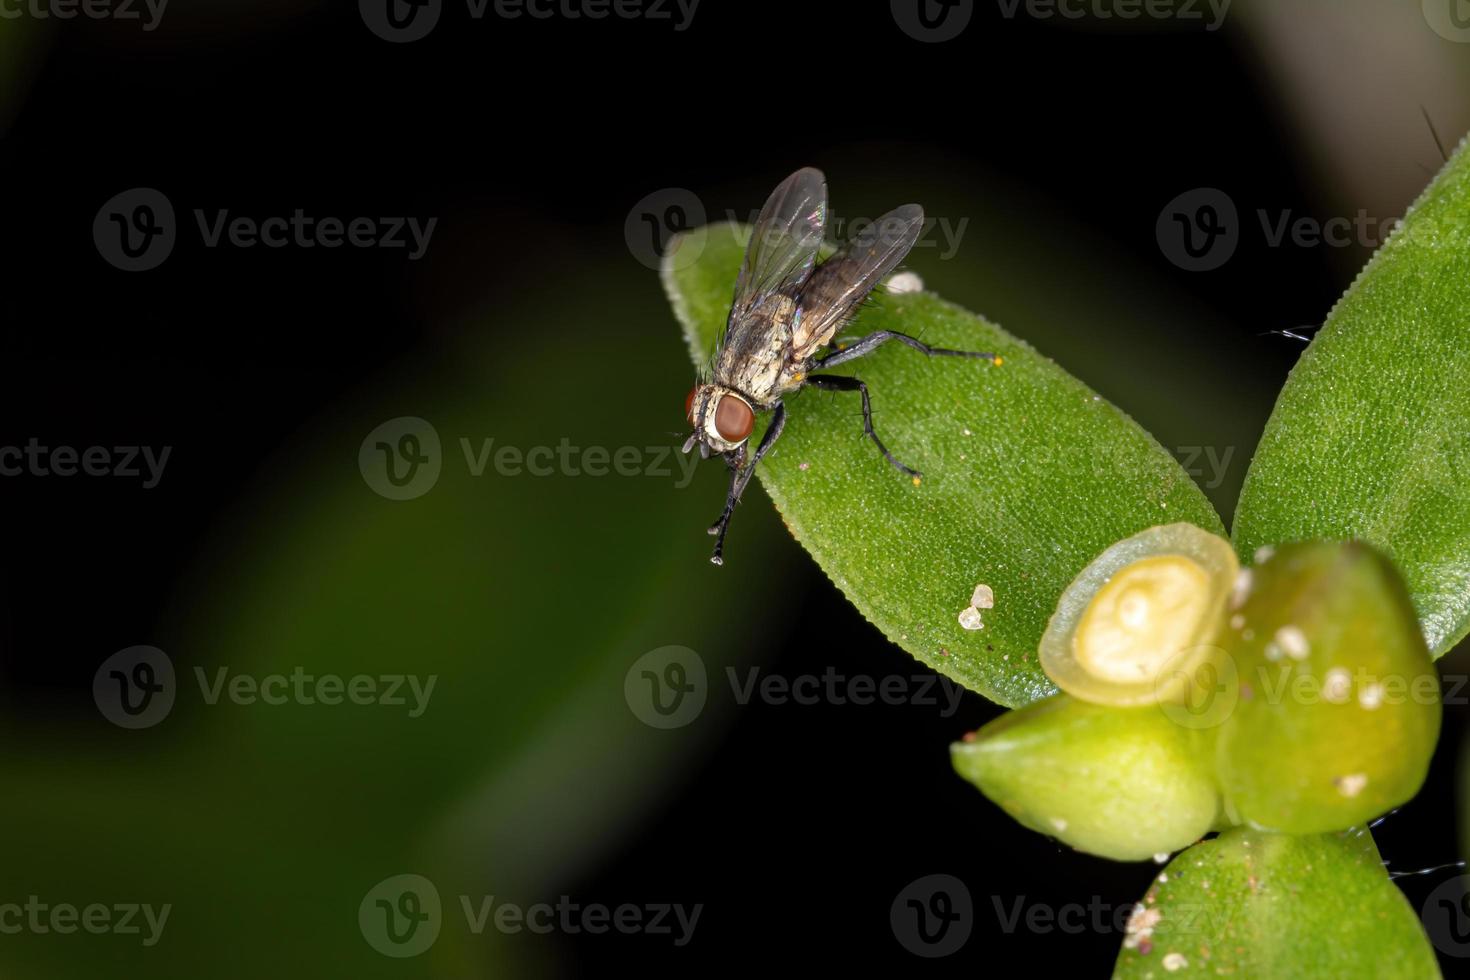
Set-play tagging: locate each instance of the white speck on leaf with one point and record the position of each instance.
(1140, 925)
(1294, 642)
(1351, 785)
(1243, 582)
(970, 618)
(906, 282)
(983, 597)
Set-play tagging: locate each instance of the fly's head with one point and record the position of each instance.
(721, 417)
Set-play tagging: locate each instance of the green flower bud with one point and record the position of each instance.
(1123, 783)
(1336, 701)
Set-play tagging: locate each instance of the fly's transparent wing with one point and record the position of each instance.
(782, 250)
(838, 286)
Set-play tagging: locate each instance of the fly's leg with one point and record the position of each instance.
(873, 341)
(837, 382)
(735, 461)
(740, 475)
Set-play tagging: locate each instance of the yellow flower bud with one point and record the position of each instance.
(1131, 627)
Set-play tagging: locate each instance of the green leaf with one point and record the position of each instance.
(1257, 904)
(1371, 436)
(1028, 475)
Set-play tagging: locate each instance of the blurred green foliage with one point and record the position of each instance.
(527, 597)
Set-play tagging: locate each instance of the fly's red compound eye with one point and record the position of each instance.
(689, 404)
(733, 419)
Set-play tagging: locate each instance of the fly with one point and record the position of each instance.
(787, 308)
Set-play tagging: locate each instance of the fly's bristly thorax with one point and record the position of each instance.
(721, 416)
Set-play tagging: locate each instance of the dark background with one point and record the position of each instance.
(530, 141)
